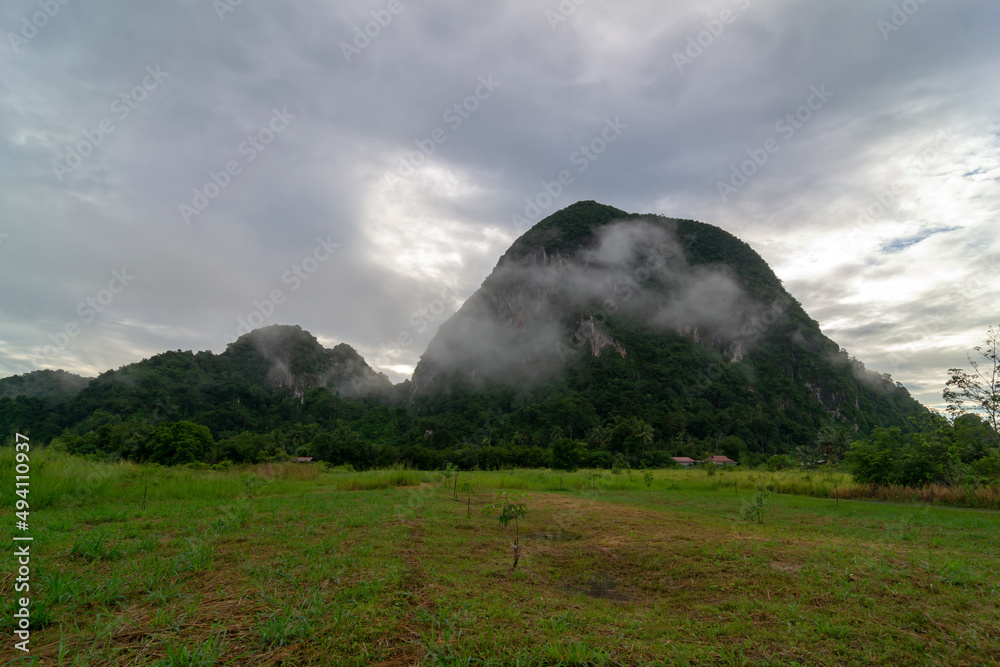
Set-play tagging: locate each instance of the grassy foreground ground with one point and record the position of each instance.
(389, 568)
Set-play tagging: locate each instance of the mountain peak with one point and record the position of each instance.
(593, 297)
(295, 359)
(565, 230)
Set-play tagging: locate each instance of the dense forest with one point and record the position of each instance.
(635, 393)
(182, 407)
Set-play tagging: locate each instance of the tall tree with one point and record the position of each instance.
(978, 391)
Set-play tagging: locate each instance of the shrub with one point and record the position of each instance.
(988, 467)
(779, 462)
(176, 443)
(890, 457)
(566, 454)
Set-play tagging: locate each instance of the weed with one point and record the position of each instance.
(60, 588)
(230, 518)
(95, 546)
(196, 556)
(755, 508)
(283, 626)
(205, 655)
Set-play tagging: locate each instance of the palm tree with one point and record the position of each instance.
(833, 442)
(598, 437)
(297, 435)
(641, 431)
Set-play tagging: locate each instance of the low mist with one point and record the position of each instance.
(535, 311)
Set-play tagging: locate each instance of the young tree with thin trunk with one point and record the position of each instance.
(978, 391)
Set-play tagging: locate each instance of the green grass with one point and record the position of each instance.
(819, 484)
(386, 568)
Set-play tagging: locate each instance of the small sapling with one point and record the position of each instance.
(509, 511)
(252, 482)
(467, 490)
(756, 506)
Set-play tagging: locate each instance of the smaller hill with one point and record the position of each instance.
(232, 391)
(54, 385)
(288, 356)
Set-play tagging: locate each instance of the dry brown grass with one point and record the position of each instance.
(983, 497)
(303, 472)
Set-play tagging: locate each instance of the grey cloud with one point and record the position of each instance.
(323, 174)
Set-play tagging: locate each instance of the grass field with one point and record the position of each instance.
(389, 568)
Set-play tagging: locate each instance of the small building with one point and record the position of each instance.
(721, 461)
(304, 459)
(685, 461)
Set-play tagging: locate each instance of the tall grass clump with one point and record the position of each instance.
(59, 478)
(982, 497)
(377, 479)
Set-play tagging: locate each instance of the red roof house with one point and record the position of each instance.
(685, 461)
(721, 461)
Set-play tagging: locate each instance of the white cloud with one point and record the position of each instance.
(873, 288)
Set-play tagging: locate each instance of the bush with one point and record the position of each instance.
(780, 462)
(566, 454)
(988, 467)
(177, 443)
(598, 459)
(890, 457)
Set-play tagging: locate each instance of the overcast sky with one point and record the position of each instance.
(168, 168)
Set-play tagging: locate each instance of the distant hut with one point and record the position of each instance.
(721, 461)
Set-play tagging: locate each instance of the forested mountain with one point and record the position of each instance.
(596, 316)
(601, 336)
